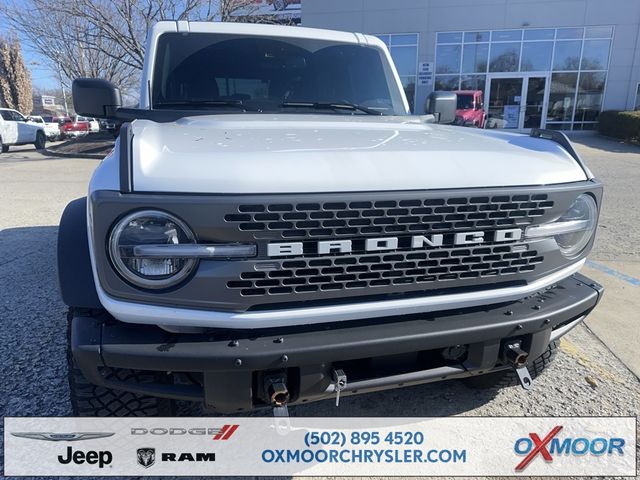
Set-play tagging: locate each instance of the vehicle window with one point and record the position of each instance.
(465, 102)
(48, 119)
(6, 115)
(199, 68)
(17, 117)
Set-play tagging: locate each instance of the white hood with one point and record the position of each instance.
(263, 153)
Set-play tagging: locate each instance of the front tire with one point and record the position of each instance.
(41, 141)
(89, 400)
(508, 378)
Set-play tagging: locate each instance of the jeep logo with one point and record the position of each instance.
(379, 244)
(91, 457)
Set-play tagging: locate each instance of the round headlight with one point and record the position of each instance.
(150, 228)
(582, 214)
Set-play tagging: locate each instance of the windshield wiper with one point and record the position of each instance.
(202, 103)
(331, 106)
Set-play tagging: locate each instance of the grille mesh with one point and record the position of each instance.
(342, 219)
(354, 272)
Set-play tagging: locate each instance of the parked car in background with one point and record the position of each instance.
(50, 124)
(111, 126)
(15, 130)
(75, 127)
(470, 109)
(94, 125)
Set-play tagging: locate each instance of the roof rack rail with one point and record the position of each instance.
(561, 139)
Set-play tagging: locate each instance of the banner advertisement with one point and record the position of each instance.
(330, 446)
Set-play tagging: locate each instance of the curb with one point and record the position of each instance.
(90, 156)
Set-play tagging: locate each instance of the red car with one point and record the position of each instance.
(470, 108)
(75, 127)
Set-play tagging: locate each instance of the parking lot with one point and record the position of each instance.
(596, 372)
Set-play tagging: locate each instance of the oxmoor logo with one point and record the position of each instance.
(552, 445)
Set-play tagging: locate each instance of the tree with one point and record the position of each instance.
(15, 79)
(106, 38)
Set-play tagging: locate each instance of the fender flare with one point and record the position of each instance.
(75, 275)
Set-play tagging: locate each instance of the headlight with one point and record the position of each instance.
(574, 229)
(151, 228)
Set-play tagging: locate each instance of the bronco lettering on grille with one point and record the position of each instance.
(325, 247)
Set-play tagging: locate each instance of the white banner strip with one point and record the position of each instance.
(456, 446)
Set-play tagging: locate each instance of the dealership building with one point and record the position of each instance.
(539, 63)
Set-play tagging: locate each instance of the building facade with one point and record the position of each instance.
(539, 63)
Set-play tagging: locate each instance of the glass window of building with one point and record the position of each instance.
(595, 55)
(590, 92)
(474, 58)
(448, 58)
(598, 32)
(506, 35)
(569, 33)
(505, 57)
(473, 37)
(561, 72)
(540, 34)
(472, 82)
(567, 55)
(404, 52)
(447, 82)
(562, 97)
(536, 56)
(450, 37)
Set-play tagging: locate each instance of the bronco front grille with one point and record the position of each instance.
(411, 215)
(399, 269)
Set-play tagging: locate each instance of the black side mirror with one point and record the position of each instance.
(95, 97)
(442, 105)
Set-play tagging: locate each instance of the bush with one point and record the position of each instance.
(625, 125)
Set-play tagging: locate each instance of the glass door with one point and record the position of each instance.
(534, 102)
(504, 103)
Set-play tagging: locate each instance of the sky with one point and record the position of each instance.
(44, 77)
(41, 75)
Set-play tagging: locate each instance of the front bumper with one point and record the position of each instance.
(226, 368)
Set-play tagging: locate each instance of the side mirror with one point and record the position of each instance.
(442, 105)
(95, 97)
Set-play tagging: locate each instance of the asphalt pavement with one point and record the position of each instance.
(592, 375)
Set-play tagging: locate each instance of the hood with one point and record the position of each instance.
(260, 153)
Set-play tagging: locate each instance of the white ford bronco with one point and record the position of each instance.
(273, 227)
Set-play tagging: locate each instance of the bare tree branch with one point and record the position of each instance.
(106, 38)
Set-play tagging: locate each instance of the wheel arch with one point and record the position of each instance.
(75, 275)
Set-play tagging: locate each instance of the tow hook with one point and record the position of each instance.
(278, 395)
(340, 382)
(517, 358)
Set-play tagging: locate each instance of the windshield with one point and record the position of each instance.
(230, 73)
(465, 102)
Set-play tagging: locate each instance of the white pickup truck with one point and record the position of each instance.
(15, 129)
(50, 124)
(273, 227)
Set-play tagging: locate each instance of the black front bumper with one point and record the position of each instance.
(227, 369)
